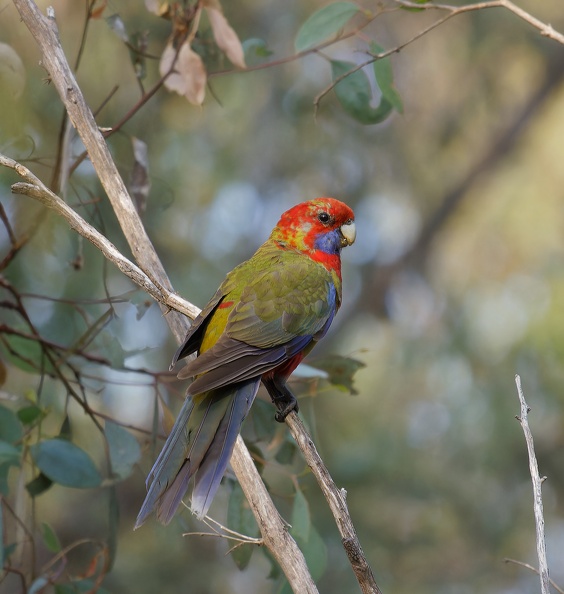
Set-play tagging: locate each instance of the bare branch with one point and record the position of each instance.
(273, 529)
(336, 498)
(546, 30)
(537, 489)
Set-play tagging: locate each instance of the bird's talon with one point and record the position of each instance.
(281, 415)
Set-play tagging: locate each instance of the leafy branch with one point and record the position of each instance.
(545, 29)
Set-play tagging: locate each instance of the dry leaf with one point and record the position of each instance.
(189, 75)
(225, 37)
(157, 7)
(96, 13)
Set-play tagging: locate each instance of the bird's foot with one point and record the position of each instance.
(285, 407)
(282, 398)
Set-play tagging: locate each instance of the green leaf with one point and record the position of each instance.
(256, 51)
(324, 23)
(66, 464)
(25, 354)
(39, 485)
(65, 432)
(241, 519)
(50, 539)
(355, 94)
(315, 553)
(10, 426)
(9, 550)
(285, 453)
(124, 449)
(310, 542)
(263, 419)
(30, 414)
(385, 78)
(341, 370)
(4, 486)
(9, 454)
(301, 519)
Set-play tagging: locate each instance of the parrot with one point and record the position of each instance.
(266, 316)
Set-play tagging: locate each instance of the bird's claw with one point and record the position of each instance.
(286, 407)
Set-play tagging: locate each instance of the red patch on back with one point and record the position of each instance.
(225, 304)
(285, 369)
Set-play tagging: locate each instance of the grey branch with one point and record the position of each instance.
(43, 29)
(336, 498)
(537, 489)
(150, 275)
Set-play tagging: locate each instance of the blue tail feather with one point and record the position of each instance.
(201, 442)
(216, 459)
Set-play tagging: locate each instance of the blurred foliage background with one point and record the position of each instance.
(454, 285)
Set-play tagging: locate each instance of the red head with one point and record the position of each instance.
(319, 227)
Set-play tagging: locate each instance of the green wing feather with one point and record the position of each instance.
(282, 301)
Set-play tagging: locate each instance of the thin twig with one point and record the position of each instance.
(221, 531)
(534, 570)
(537, 489)
(545, 29)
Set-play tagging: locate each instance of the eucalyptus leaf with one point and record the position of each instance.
(50, 539)
(124, 449)
(324, 23)
(10, 426)
(66, 464)
(340, 370)
(301, 519)
(355, 94)
(9, 453)
(385, 78)
(39, 485)
(241, 519)
(30, 414)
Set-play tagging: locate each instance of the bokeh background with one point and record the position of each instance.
(454, 285)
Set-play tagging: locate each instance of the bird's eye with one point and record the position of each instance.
(324, 217)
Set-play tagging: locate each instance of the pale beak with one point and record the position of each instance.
(348, 233)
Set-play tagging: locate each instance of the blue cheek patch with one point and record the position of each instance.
(330, 243)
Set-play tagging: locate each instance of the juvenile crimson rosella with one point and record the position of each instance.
(264, 319)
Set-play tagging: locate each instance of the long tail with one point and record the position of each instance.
(200, 443)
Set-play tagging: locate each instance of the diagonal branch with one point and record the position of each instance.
(337, 500)
(44, 30)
